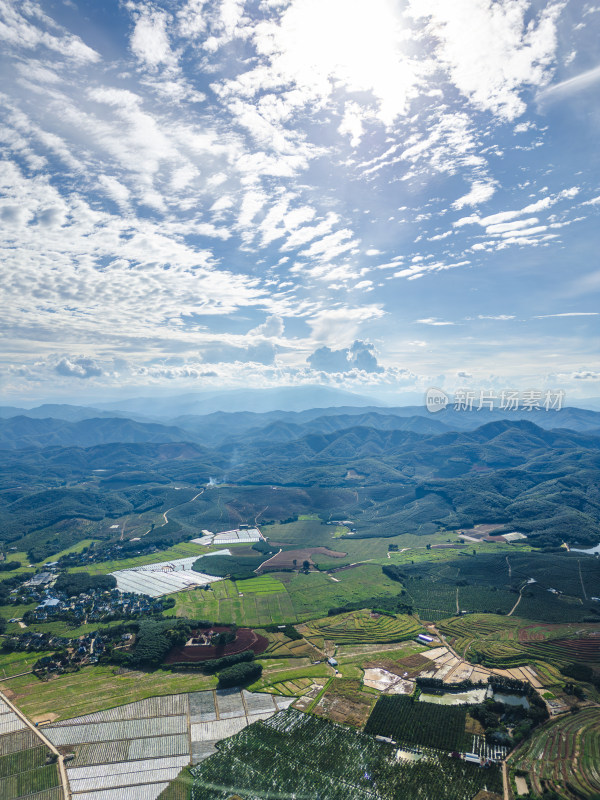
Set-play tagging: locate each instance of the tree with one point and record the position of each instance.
(239, 674)
(306, 566)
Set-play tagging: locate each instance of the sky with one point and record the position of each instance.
(378, 195)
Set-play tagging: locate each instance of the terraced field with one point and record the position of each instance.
(500, 641)
(564, 757)
(364, 626)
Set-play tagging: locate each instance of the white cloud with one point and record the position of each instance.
(25, 26)
(351, 125)
(503, 217)
(481, 192)
(490, 49)
(150, 40)
(569, 314)
(78, 368)
(434, 322)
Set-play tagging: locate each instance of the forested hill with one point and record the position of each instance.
(23, 432)
(65, 425)
(542, 482)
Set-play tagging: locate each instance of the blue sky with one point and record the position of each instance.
(370, 194)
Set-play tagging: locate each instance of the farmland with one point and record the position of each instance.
(135, 750)
(283, 597)
(420, 724)
(290, 755)
(510, 641)
(548, 588)
(346, 701)
(563, 757)
(96, 688)
(26, 765)
(364, 626)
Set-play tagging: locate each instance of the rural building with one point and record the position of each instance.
(50, 604)
(332, 662)
(423, 638)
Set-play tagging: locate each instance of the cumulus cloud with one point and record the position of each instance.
(79, 367)
(360, 355)
(273, 326)
(492, 49)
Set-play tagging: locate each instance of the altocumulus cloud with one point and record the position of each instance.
(360, 355)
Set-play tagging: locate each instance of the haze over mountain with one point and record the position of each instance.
(286, 398)
(21, 429)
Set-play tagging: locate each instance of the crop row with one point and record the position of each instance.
(423, 724)
(110, 731)
(34, 780)
(148, 791)
(290, 755)
(364, 627)
(169, 705)
(565, 756)
(129, 750)
(22, 761)
(19, 740)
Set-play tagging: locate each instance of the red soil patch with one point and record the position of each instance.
(586, 650)
(535, 633)
(285, 559)
(246, 639)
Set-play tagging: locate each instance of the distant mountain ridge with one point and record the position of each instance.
(23, 432)
(232, 429)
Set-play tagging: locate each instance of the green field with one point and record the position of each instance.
(76, 548)
(563, 756)
(222, 603)
(23, 769)
(96, 689)
(15, 663)
(290, 755)
(314, 594)
(282, 597)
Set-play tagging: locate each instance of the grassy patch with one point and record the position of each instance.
(98, 688)
(15, 663)
(76, 548)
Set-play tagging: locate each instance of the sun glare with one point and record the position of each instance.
(356, 44)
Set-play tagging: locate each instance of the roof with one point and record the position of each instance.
(50, 601)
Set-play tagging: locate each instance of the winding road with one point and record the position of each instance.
(168, 511)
